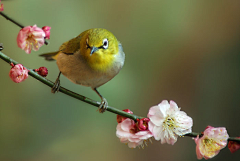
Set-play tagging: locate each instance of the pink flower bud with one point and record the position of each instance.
(143, 124)
(43, 71)
(1, 7)
(30, 37)
(121, 118)
(46, 29)
(233, 146)
(18, 73)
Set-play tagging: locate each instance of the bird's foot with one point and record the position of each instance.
(102, 108)
(56, 86)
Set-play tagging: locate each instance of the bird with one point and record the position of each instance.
(91, 59)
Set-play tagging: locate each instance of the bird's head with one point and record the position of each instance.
(99, 47)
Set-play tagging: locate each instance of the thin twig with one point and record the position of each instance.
(18, 24)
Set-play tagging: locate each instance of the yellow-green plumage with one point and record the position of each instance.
(90, 59)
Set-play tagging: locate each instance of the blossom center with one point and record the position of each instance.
(133, 129)
(30, 37)
(169, 122)
(210, 146)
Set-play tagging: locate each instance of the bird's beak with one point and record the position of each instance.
(94, 49)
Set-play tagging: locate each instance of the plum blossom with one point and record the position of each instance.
(212, 141)
(1, 7)
(233, 146)
(30, 37)
(167, 122)
(46, 29)
(18, 73)
(129, 133)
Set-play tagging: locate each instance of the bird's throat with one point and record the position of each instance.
(101, 63)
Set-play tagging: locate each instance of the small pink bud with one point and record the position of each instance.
(12, 64)
(46, 29)
(43, 71)
(18, 73)
(1, 8)
(233, 146)
(143, 124)
(121, 118)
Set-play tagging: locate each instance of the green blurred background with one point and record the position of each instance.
(186, 51)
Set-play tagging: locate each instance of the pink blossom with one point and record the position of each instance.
(233, 146)
(212, 141)
(18, 73)
(30, 37)
(1, 7)
(46, 29)
(128, 133)
(43, 71)
(121, 118)
(167, 122)
(143, 124)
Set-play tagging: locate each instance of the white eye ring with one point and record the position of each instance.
(105, 43)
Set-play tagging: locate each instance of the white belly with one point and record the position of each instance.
(78, 71)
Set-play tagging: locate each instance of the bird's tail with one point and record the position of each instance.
(50, 56)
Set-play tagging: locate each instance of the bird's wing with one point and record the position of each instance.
(71, 46)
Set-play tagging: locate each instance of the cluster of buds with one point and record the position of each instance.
(133, 133)
(19, 73)
(165, 122)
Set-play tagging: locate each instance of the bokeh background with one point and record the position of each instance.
(186, 51)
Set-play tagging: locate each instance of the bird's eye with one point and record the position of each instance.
(105, 44)
(87, 46)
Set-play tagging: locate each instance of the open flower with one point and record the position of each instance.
(46, 29)
(233, 146)
(18, 73)
(167, 122)
(128, 133)
(30, 37)
(212, 141)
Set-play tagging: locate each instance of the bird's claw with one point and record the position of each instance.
(56, 86)
(104, 104)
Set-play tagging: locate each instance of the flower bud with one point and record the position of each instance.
(143, 124)
(121, 118)
(43, 71)
(46, 29)
(18, 73)
(1, 7)
(233, 146)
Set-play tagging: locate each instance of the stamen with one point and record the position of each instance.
(150, 140)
